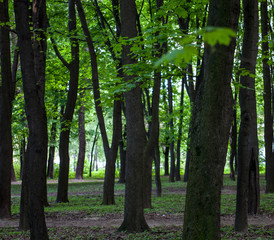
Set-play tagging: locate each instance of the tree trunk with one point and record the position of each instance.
(62, 193)
(122, 178)
(5, 113)
(82, 144)
(22, 155)
(50, 173)
(211, 124)
(268, 122)
(178, 150)
(186, 174)
(110, 152)
(247, 182)
(153, 141)
(166, 153)
(134, 220)
(32, 53)
(108, 191)
(191, 90)
(91, 166)
(233, 142)
(157, 171)
(171, 129)
(24, 219)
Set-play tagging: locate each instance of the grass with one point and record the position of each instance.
(85, 202)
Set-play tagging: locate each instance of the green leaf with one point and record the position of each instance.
(215, 35)
(178, 56)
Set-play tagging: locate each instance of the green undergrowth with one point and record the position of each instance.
(161, 232)
(85, 201)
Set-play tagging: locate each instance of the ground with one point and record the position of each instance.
(102, 224)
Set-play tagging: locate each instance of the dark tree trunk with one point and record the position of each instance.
(22, 155)
(171, 129)
(178, 150)
(108, 191)
(247, 181)
(14, 68)
(268, 127)
(5, 113)
(50, 173)
(82, 144)
(166, 143)
(211, 124)
(24, 219)
(32, 52)
(233, 142)
(166, 153)
(122, 178)
(62, 193)
(92, 158)
(110, 152)
(186, 174)
(134, 220)
(157, 171)
(157, 80)
(153, 142)
(191, 90)
(108, 197)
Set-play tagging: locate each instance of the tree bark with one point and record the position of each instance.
(153, 141)
(171, 129)
(122, 178)
(211, 124)
(82, 144)
(134, 220)
(178, 150)
(186, 174)
(50, 173)
(62, 192)
(157, 171)
(22, 155)
(92, 159)
(166, 154)
(268, 127)
(5, 113)
(233, 142)
(32, 52)
(247, 182)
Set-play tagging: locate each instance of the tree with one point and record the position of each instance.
(110, 152)
(122, 151)
(178, 150)
(52, 143)
(92, 155)
(82, 142)
(248, 172)
(73, 67)
(233, 142)
(32, 53)
(5, 113)
(268, 129)
(211, 124)
(171, 126)
(134, 219)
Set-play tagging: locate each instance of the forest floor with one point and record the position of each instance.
(85, 218)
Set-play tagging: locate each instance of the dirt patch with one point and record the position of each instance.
(115, 220)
